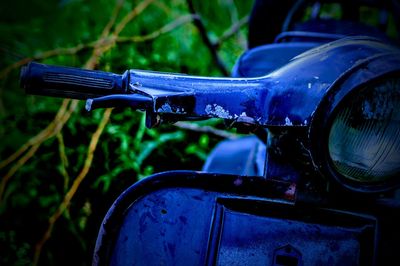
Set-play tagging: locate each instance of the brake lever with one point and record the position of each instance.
(135, 101)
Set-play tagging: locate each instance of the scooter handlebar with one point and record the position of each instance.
(68, 82)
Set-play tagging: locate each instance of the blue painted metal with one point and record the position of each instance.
(264, 59)
(286, 97)
(307, 36)
(189, 218)
(243, 156)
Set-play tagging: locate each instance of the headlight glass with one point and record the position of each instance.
(364, 140)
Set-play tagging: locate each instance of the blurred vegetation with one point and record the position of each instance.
(62, 167)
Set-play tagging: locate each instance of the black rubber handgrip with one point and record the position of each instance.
(68, 82)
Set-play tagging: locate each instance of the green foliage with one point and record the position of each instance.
(127, 150)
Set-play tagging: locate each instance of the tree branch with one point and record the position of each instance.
(204, 36)
(206, 129)
(155, 34)
(232, 30)
(34, 143)
(75, 185)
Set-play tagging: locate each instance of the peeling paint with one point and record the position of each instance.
(181, 111)
(137, 84)
(288, 122)
(217, 111)
(165, 108)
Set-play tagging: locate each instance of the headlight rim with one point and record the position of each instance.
(365, 74)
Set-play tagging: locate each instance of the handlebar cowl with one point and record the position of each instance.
(68, 82)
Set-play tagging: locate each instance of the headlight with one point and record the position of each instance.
(355, 131)
(364, 139)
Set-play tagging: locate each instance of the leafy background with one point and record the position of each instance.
(61, 167)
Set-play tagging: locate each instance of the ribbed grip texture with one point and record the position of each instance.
(70, 82)
(62, 78)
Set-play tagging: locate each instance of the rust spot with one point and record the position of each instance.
(290, 193)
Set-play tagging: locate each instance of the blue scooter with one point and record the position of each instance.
(315, 183)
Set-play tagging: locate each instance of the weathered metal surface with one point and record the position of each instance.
(183, 218)
(288, 96)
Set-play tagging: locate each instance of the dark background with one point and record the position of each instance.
(47, 216)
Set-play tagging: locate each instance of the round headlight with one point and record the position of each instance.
(364, 139)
